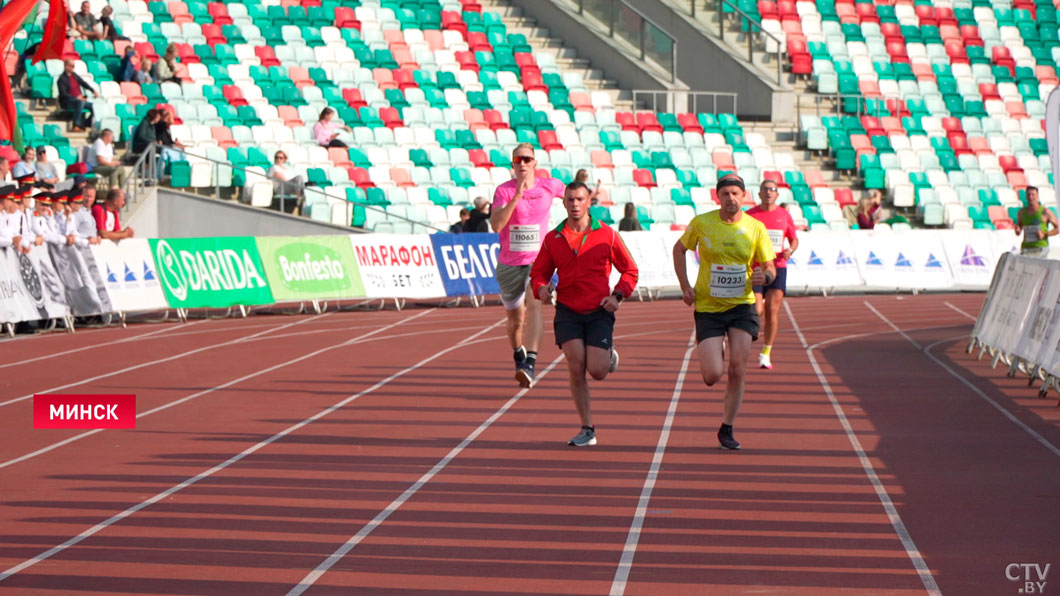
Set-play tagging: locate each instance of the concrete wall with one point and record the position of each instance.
(184, 215)
(702, 63)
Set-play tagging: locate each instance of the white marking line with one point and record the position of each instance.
(394, 505)
(960, 311)
(969, 384)
(235, 458)
(187, 398)
(625, 565)
(881, 491)
(161, 360)
(95, 346)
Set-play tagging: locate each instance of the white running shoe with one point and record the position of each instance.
(614, 361)
(764, 361)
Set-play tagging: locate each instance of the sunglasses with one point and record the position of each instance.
(522, 159)
(770, 188)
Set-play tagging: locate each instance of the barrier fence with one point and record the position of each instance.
(141, 275)
(1019, 324)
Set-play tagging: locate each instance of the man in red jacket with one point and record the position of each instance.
(583, 250)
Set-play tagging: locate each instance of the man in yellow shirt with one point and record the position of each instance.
(728, 243)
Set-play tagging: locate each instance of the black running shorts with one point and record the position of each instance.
(717, 324)
(595, 328)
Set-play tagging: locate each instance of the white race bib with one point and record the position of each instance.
(777, 238)
(1032, 233)
(728, 281)
(524, 238)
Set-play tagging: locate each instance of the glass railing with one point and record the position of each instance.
(620, 21)
(718, 15)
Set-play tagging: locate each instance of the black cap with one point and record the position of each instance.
(44, 197)
(730, 182)
(6, 192)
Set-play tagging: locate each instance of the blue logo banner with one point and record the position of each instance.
(467, 263)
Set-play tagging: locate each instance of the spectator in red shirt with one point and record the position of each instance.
(583, 250)
(107, 216)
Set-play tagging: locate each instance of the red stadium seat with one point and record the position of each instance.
(647, 121)
(454, 21)
(354, 98)
(494, 119)
(223, 136)
(234, 95)
(479, 158)
(360, 177)
(391, 117)
(219, 12)
(340, 157)
(346, 19)
(548, 140)
(643, 178)
(626, 121)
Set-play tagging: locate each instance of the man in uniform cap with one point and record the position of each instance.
(12, 224)
(44, 222)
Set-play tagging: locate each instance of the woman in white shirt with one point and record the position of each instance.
(283, 183)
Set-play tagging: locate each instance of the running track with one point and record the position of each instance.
(391, 453)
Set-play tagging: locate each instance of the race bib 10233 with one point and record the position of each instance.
(728, 281)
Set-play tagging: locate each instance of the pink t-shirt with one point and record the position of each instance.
(322, 131)
(521, 237)
(779, 224)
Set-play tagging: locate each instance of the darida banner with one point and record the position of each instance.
(310, 267)
(211, 272)
(468, 263)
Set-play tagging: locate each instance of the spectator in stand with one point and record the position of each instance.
(46, 172)
(325, 131)
(284, 181)
(143, 75)
(127, 69)
(79, 221)
(479, 218)
(166, 68)
(629, 221)
(598, 194)
(106, 26)
(868, 211)
(107, 216)
(25, 166)
(88, 193)
(172, 149)
(86, 23)
(146, 133)
(5, 172)
(72, 96)
(102, 162)
(458, 227)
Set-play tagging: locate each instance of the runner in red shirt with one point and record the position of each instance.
(781, 227)
(583, 250)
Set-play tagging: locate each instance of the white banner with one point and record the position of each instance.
(971, 256)
(824, 260)
(1052, 136)
(902, 260)
(654, 258)
(398, 266)
(128, 271)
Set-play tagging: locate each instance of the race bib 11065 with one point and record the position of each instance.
(524, 238)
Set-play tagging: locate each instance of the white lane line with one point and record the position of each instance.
(900, 529)
(187, 398)
(625, 564)
(927, 352)
(394, 505)
(161, 360)
(947, 303)
(96, 346)
(235, 458)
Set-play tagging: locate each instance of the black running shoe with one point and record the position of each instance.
(524, 374)
(726, 440)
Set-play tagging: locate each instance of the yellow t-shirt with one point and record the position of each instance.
(726, 252)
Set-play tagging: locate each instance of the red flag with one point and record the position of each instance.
(11, 18)
(51, 45)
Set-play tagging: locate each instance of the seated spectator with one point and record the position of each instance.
(868, 212)
(166, 68)
(479, 219)
(106, 26)
(458, 227)
(86, 23)
(127, 69)
(144, 74)
(102, 162)
(172, 149)
(325, 131)
(598, 195)
(5, 171)
(72, 96)
(146, 133)
(79, 221)
(629, 221)
(284, 181)
(107, 216)
(25, 167)
(46, 172)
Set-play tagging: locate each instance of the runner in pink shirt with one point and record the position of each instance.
(781, 227)
(520, 214)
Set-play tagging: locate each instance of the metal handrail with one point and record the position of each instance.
(144, 170)
(691, 99)
(645, 20)
(757, 23)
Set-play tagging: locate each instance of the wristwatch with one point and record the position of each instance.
(618, 296)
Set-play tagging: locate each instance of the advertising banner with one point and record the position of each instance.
(211, 272)
(971, 256)
(308, 268)
(654, 258)
(913, 260)
(129, 275)
(398, 265)
(824, 260)
(467, 263)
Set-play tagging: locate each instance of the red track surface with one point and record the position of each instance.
(454, 483)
